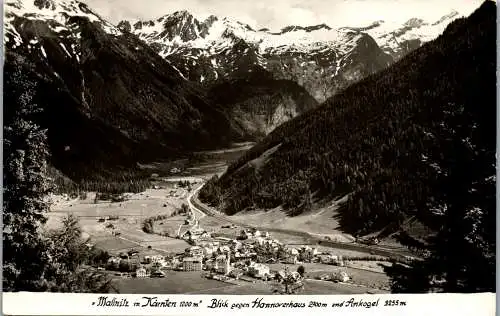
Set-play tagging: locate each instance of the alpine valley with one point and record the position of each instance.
(196, 155)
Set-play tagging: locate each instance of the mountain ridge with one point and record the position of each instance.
(205, 51)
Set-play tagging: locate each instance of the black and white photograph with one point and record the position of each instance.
(233, 147)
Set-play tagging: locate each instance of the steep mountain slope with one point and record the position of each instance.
(402, 143)
(109, 99)
(321, 59)
(258, 104)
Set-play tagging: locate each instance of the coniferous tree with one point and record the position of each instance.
(25, 186)
(68, 253)
(32, 260)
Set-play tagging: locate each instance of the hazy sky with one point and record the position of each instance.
(276, 14)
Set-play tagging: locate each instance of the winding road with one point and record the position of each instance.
(194, 209)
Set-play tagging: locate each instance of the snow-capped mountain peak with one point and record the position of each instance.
(58, 12)
(215, 48)
(414, 22)
(398, 39)
(448, 17)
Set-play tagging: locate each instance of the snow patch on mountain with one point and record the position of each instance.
(57, 11)
(393, 37)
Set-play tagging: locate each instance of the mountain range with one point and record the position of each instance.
(322, 59)
(115, 95)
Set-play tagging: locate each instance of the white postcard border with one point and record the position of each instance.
(27, 303)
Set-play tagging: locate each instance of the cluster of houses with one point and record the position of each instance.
(339, 276)
(249, 254)
(195, 235)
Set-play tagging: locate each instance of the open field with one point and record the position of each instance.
(203, 164)
(321, 222)
(113, 244)
(375, 280)
(173, 283)
(170, 225)
(375, 266)
(131, 213)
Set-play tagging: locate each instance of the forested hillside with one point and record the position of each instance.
(413, 140)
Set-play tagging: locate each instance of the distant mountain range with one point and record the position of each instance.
(321, 59)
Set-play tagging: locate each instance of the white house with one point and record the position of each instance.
(195, 251)
(157, 259)
(341, 276)
(258, 270)
(222, 264)
(326, 258)
(236, 245)
(141, 272)
(293, 251)
(260, 240)
(209, 250)
(291, 258)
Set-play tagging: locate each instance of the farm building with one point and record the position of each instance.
(258, 270)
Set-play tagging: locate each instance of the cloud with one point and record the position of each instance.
(276, 14)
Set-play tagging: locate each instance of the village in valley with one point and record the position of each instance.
(250, 255)
(157, 241)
